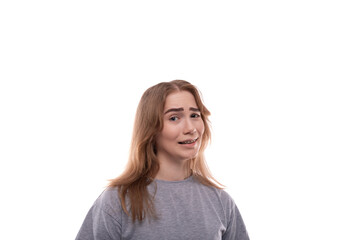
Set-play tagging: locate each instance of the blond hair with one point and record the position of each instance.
(143, 164)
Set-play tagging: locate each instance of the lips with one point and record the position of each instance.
(189, 141)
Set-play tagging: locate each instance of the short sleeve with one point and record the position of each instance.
(235, 229)
(103, 221)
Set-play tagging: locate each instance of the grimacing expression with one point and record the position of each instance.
(183, 127)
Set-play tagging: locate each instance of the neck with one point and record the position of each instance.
(173, 171)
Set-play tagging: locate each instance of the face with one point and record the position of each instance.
(181, 135)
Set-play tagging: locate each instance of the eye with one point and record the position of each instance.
(173, 118)
(195, 115)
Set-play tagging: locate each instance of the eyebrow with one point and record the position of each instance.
(181, 109)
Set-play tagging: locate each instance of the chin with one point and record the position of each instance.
(190, 157)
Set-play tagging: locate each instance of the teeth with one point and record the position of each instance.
(188, 142)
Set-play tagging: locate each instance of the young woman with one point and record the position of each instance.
(166, 190)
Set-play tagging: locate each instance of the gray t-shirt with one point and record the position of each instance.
(186, 210)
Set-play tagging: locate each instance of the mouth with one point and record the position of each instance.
(190, 141)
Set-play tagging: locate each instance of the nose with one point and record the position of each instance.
(189, 127)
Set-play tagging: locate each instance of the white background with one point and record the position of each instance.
(280, 78)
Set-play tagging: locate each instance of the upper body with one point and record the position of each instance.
(171, 132)
(185, 209)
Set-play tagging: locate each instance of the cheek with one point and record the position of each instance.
(201, 127)
(169, 132)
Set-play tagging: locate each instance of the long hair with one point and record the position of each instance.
(143, 164)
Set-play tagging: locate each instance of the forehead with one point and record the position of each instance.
(180, 99)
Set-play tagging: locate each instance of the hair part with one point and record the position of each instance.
(143, 164)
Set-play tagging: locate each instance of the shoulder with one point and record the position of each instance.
(109, 203)
(221, 198)
(103, 220)
(226, 199)
(218, 195)
(109, 196)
